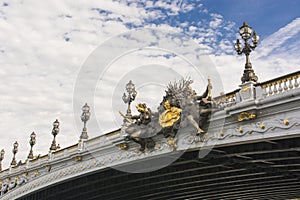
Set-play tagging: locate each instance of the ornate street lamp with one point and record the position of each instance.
(84, 118)
(55, 131)
(245, 32)
(31, 142)
(1, 158)
(14, 151)
(131, 94)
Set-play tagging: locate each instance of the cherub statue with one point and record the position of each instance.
(140, 129)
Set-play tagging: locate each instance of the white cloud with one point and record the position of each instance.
(44, 44)
(216, 22)
(274, 41)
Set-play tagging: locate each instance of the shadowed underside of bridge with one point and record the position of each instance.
(263, 170)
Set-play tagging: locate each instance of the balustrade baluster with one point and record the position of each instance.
(226, 102)
(280, 89)
(275, 88)
(264, 88)
(285, 86)
(270, 90)
(296, 84)
(291, 84)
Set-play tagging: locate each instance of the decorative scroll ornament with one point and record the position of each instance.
(286, 122)
(245, 88)
(172, 143)
(260, 127)
(123, 146)
(246, 116)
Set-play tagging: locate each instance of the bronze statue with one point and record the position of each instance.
(207, 105)
(139, 128)
(180, 108)
(184, 97)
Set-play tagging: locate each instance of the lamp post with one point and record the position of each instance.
(245, 32)
(131, 94)
(31, 142)
(14, 151)
(1, 158)
(84, 118)
(55, 131)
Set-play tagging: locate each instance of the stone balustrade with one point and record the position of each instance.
(280, 85)
(261, 90)
(226, 100)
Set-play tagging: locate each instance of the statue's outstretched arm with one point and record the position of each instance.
(204, 95)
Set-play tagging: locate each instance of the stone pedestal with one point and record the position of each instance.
(247, 91)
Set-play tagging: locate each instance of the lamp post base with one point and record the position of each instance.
(249, 74)
(84, 134)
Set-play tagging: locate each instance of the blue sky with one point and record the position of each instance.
(266, 16)
(45, 44)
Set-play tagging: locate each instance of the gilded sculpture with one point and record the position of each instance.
(170, 115)
(181, 108)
